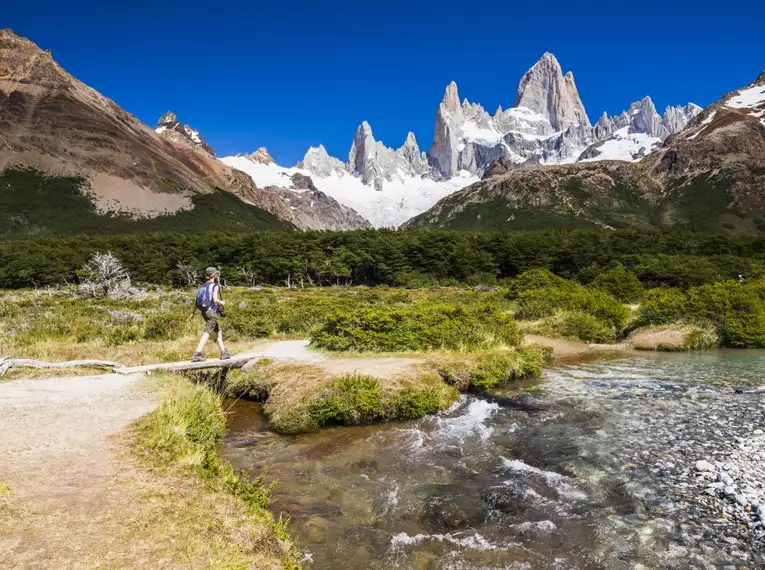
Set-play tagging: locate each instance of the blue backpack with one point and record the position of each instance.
(205, 296)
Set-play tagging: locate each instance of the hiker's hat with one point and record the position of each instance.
(210, 271)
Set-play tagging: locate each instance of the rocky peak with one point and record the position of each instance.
(318, 161)
(676, 118)
(644, 119)
(545, 90)
(451, 99)
(605, 127)
(171, 128)
(23, 61)
(760, 79)
(261, 155)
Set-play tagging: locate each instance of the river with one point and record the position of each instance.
(594, 465)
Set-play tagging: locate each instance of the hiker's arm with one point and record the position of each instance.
(216, 296)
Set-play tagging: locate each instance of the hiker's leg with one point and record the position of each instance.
(220, 341)
(203, 342)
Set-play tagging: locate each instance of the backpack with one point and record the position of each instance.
(205, 296)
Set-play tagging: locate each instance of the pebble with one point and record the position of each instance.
(703, 465)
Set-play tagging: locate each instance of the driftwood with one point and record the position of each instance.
(8, 363)
(235, 362)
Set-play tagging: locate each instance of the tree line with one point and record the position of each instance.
(388, 257)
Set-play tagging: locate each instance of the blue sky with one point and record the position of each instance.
(287, 75)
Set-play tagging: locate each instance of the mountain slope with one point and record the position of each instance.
(58, 125)
(710, 176)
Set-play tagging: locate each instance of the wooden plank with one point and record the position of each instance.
(235, 362)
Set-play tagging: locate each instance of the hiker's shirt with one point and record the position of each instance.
(211, 293)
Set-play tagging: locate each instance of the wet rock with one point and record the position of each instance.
(316, 529)
(451, 507)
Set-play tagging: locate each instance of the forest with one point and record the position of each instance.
(413, 258)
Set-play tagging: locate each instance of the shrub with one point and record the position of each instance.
(537, 279)
(164, 327)
(418, 328)
(661, 306)
(536, 304)
(350, 400)
(736, 310)
(620, 283)
(575, 325)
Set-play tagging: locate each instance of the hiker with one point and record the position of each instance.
(210, 305)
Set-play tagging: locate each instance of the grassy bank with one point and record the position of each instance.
(227, 524)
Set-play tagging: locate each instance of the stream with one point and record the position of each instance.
(639, 462)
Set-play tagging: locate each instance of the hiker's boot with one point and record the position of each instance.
(225, 355)
(198, 357)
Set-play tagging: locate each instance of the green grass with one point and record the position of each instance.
(181, 437)
(33, 203)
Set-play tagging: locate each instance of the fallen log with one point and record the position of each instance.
(8, 363)
(235, 362)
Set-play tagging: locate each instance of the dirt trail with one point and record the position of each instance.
(69, 495)
(60, 466)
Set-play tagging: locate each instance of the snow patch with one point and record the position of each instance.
(747, 98)
(400, 199)
(480, 135)
(702, 124)
(623, 145)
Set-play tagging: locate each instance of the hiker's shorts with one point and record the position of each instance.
(211, 321)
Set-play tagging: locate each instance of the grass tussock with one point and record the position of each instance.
(492, 369)
(303, 398)
(180, 438)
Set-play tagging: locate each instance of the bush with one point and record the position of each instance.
(735, 309)
(351, 400)
(164, 327)
(661, 306)
(535, 279)
(620, 283)
(575, 325)
(536, 304)
(418, 328)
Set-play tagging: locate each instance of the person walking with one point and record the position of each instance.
(210, 304)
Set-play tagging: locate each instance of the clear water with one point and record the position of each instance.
(556, 473)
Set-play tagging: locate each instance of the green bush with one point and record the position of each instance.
(536, 304)
(662, 306)
(575, 325)
(350, 400)
(620, 283)
(410, 404)
(535, 279)
(418, 328)
(735, 309)
(164, 327)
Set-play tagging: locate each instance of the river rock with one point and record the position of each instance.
(451, 507)
(704, 466)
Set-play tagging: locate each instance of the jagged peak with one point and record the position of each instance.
(410, 139)
(364, 128)
(169, 119)
(261, 155)
(760, 79)
(451, 99)
(499, 110)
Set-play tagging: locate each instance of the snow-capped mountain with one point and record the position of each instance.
(548, 124)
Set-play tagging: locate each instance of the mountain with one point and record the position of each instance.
(548, 125)
(114, 170)
(709, 176)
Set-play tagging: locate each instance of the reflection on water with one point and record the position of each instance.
(539, 476)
